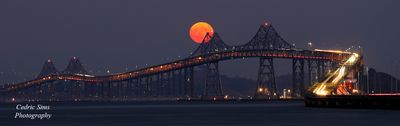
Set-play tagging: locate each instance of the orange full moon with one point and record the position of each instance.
(199, 30)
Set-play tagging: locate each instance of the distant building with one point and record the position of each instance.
(372, 81)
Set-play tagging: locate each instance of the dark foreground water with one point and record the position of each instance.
(200, 113)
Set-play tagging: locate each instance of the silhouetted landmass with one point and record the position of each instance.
(240, 86)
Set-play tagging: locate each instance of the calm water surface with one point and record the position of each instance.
(205, 113)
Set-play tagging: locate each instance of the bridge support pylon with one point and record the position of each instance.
(321, 69)
(213, 86)
(298, 78)
(266, 86)
(313, 71)
(189, 82)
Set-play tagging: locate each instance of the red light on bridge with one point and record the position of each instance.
(266, 24)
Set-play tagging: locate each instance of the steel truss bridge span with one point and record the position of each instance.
(188, 62)
(175, 79)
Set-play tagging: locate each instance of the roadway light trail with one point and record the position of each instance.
(327, 86)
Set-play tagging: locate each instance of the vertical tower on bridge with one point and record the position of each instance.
(48, 69)
(312, 72)
(188, 82)
(317, 70)
(212, 86)
(266, 38)
(76, 87)
(75, 67)
(298, 77)
(266, 85)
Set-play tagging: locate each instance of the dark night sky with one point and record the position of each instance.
(120, 34)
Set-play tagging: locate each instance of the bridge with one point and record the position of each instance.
(326, 69)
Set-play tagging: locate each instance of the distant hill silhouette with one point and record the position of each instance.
(240, 86)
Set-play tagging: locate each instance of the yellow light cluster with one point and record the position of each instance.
(333, 79)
